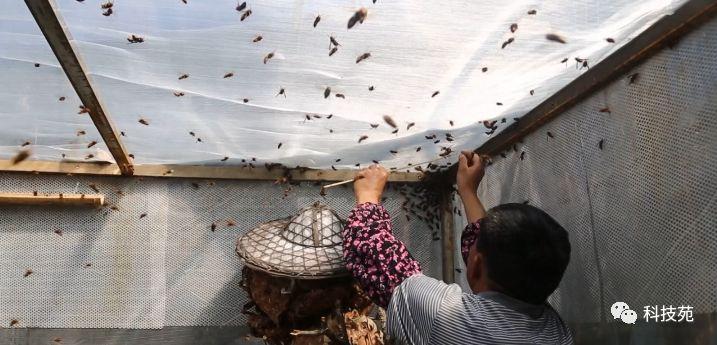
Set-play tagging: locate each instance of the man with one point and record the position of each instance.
(515, 256)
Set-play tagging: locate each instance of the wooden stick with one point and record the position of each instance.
(52, 199)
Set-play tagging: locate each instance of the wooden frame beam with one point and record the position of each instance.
(664, 33)
(52, 199)
(52, 27)
(195, 171)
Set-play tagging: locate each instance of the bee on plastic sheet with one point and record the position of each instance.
(435, 93)
(107, 6)
(565, 61)
(610, 40)
(333, 51)
(61, 98)
(332, 40)
(373, 125)
(340, 95)
(268, 57)
(257, 38)
(135, 39)
(513, 27)
(108, 12)
(183, 76)
(410, 124)
(555, 38)
(279, 146)
(25, 144)
(327, 92)
(245, 15)
(92, 143)
(389, 121)
(281, 92)
(143, 121)
(362, 138)
(225, 159)
(532, 92)
(418, 149)
(20, 156)
(509, 41)
(394, 131)
(362, 57)
(358, 17)
(584, 62)
(229, 75)
(240, 7)
(532, 12)
(371, 88)
(317, 20)
(393, 152)
(83, 110)
(178, 94)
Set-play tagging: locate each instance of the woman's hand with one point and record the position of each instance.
(470, 173)
(369, 183)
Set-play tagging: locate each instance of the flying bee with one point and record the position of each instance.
(605, 110)
(178, 94)
(229, 75)
(333, 51)
(92, 143)
(340, 95)
(509, 41)
(389, 121)
(532, 12)
(435, 93)
(183, 76)
(333, 41)
(362, 138)
(632, 78)
(21, 156)
(142, 215)
(513, 27)
(373, 125)
(268, 57)
(245, 15)
(143, 121)
(327, 92)
(358, 17)
(281, 92)
(362, 57)
(61, 98)
(317, 20)
(279, 146)
(610, 40)
(135, 39)
(411, 124)
(257, 38)
(241, 7)
(225, 159)
(555, 38)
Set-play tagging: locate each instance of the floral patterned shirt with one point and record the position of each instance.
(376, 259)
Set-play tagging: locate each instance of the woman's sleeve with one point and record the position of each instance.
(377, 260)
(468, 238)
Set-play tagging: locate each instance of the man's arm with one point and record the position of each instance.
(470, 173)
(375, 258)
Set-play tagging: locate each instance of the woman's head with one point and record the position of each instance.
(521, 251)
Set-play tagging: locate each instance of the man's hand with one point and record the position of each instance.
(470, 173)
(369, 184)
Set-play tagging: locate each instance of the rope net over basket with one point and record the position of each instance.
(306, 245)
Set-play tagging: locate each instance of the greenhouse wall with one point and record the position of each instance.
(630, 173)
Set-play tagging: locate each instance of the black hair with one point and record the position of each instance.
(525, 251)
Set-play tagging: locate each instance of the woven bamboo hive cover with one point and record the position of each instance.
(306, 245)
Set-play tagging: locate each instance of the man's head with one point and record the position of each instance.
(521, 251)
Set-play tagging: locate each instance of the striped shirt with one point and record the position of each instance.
(423, 310)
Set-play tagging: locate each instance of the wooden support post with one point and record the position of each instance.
(52, 27)
(52, 199)
(447, 238)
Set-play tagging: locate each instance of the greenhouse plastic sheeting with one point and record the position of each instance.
(444, 65)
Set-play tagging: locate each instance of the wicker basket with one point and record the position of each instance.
(307, 245)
